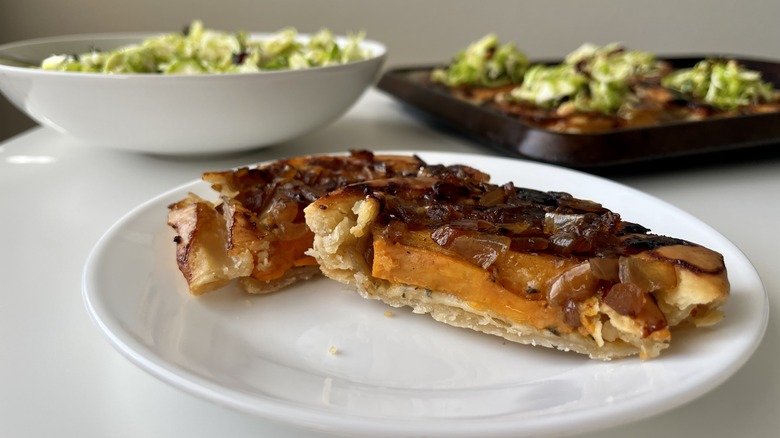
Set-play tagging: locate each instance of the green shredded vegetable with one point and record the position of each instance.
(593, 78)
(724, 84)
(603, 79)
(201, 50)
(549, 86)
(612, 62)
(485, 63)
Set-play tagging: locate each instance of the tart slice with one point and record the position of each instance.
(540, 268)
(256, 231)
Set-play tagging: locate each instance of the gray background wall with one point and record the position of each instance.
(423, 31)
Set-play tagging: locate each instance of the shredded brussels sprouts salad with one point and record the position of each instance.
(199, 50)
(600, 79)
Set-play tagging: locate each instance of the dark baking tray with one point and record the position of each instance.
(589, 151)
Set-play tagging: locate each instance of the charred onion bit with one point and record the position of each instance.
(240, 57)
(481, 222)
(629, 299)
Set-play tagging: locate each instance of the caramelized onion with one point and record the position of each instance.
(628, 299)
(516, 228)
(529, 244)
(558, 222)
(580, 204)
(449, 191)
(480, 249)
(439, 213)
(648, 275)
(571, 314)
(568, 243)
(576, 283)
(493, 197)
(444, 235)
(652, 316)
(605, 268)
(465, 224)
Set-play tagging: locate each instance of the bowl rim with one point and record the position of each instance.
(378, 54)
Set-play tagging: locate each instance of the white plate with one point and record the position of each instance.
(401, 375)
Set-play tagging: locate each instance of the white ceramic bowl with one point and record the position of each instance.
(177, 114)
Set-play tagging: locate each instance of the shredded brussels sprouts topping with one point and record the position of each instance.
(602, 79)
(549, 86)
(613, 62)
(201, 50)
(724, 84)
(485, 63)
(592, 78)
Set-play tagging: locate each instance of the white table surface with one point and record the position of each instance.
(60, 377)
